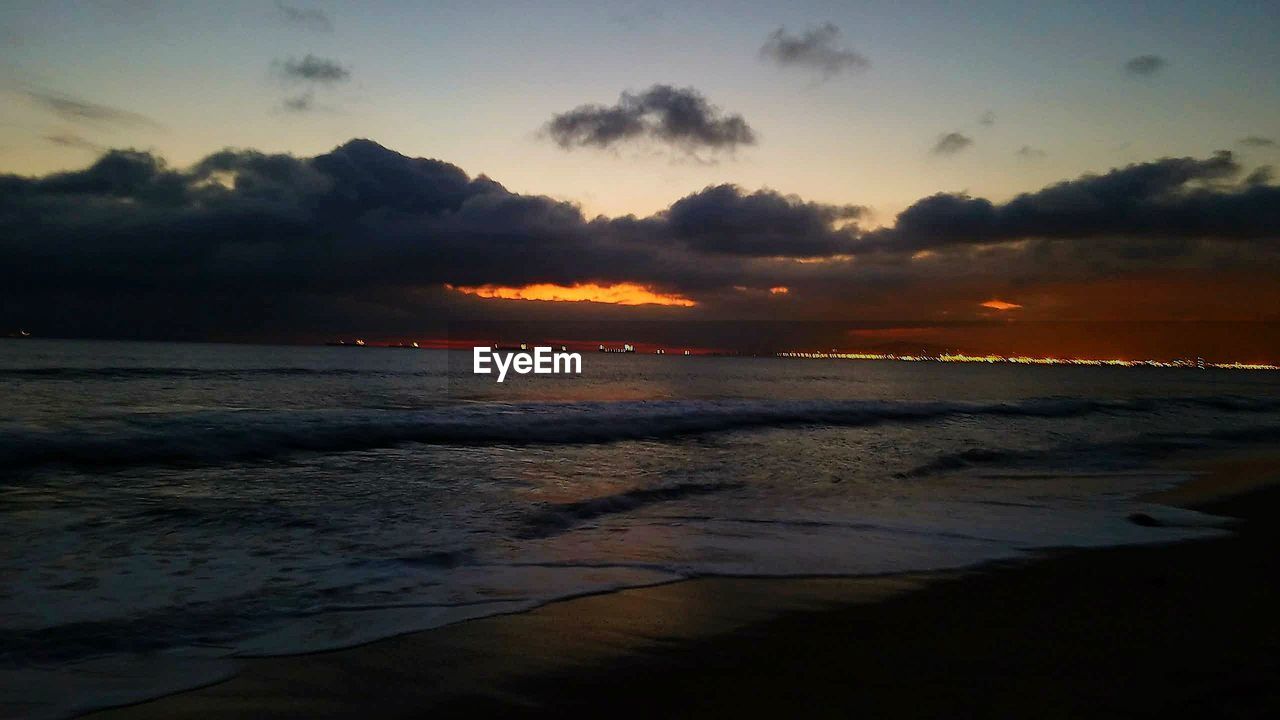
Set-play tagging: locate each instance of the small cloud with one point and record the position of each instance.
(1261, 176)
(988, 118)
(816, 49)
(308, 18)
(71, 140)
(77, 110)
(1026, 152)
(300, 103)
(1000, 305)
(951, 143)
(681, 117)
(314, 69)
(1257, 141)
(1145, 65)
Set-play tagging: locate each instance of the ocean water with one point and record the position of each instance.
(165, 508)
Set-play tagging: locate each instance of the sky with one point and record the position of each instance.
(781, 144)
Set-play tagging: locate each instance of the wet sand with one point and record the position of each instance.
(1178, 630)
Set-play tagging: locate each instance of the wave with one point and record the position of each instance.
(966, 458)
(556, 518)
(1129, 452)
(213, 437)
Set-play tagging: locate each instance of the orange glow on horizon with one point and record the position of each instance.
(779, 290)
(1000, 305)
(617, 294)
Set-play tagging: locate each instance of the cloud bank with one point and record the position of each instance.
(244, 244)
(1163, 203)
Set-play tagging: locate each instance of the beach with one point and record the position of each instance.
(1179, 629)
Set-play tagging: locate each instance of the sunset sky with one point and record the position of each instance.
(876, 162)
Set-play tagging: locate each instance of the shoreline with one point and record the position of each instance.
(716, 645)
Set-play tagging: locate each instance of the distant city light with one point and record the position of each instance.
(1025, 360)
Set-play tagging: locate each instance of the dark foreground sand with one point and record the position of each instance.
(1183, 630)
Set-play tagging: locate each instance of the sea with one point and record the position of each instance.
(166, 509)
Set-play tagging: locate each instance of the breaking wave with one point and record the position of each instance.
(556, 518)
(213, 437)
(1110, 455)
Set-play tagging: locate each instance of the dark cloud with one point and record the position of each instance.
(1027, 152)
(303, 238)
(681, 117)
(304, 102)
(988, 119)
(723, 219)
(309, 18)
(314, 69)
(1145, 65)
(815, 49)
(951, 143)
(71, 140)
(76, 110)
(597, 125)
(1257, 141)
(245, 244)
(1159, 202)
(1261, 176)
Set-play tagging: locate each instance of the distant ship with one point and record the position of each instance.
(627, 348)
(343, 343)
